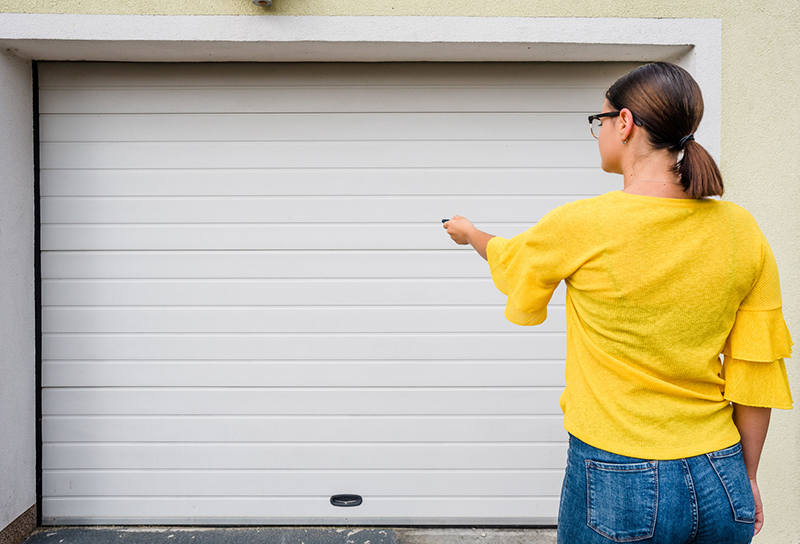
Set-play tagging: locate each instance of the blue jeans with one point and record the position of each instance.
(606, 497)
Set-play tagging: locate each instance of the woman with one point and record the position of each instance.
(665, 438)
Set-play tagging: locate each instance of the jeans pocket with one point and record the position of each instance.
(729, 466)
(622, 499)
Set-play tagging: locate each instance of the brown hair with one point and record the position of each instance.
(667, 102)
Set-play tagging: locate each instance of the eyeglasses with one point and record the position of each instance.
(596, 123)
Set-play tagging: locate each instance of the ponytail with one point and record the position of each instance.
(698, 171)
(667, 102)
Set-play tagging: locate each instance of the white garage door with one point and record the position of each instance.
(250, 306)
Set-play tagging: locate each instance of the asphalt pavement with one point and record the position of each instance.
(287, 535)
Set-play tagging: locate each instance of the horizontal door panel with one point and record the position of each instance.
(307, 456)
(298, 374)
(300, 511)
(300, 401)
(451, 263)
(309, 183)
(265, 74)
(265, 292)
(342, 429)
(365, 154)
(448, 347)
(261, 211)
(303, 483)
(302, 99)
(291, 320)
(255, 237)
(313, 126)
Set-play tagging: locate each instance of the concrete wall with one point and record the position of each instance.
(760, 160)
(17, 334)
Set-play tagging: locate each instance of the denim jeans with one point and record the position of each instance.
(606, 497)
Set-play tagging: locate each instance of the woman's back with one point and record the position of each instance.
(654, 290)
(668, 280)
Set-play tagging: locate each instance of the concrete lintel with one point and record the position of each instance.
(274, 38)
(166, 51)
(348, 28)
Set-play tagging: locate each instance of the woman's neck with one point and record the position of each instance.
(653, 177)
(663, 189)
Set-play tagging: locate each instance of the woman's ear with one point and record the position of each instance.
(625, 126)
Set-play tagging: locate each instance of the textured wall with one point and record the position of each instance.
(760, 135)
(17, 368)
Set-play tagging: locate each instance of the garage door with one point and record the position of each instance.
(249, 306)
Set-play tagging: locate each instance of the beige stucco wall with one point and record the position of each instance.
(760, 139)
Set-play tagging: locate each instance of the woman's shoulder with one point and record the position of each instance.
(615, 205)
(742, 217)
(571, 223)
(580, 207)
(583, 213)
(735, 208)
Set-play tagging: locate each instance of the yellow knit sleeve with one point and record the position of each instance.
(753, 369)
(512, 274)
(759, 332)
(528, 267)
(759, 335)
(761, 384)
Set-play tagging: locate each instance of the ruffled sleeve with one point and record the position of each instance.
(528, 267)
(754, 369)
(513, 275)
(759, 332)
(761, 384)
(759, 335)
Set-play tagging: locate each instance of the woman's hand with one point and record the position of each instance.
(463, 232)
(759, 507)
(459, 228)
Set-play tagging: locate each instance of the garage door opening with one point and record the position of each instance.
(249, 305)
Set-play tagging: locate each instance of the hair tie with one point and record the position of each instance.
(685, 139)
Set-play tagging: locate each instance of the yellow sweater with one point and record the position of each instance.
(657, 290)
